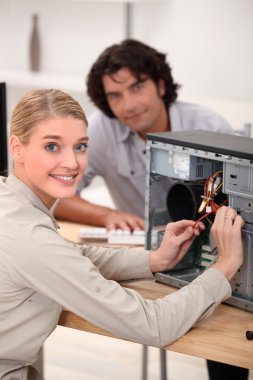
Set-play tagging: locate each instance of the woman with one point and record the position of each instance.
(40, 272)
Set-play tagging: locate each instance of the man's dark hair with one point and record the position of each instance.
(139, 59)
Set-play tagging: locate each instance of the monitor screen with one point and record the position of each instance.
(3, 131)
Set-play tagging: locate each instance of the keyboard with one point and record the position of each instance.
(100, 234)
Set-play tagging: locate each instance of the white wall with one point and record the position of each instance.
(209, 45)
(208, 42)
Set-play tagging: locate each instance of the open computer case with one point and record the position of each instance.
(190, 174)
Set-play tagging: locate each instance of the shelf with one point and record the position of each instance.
(27, 79)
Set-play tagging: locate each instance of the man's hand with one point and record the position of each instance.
(114, 219)
(226, 231)
(177, 240)
(78, 210)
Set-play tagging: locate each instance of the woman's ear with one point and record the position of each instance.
(16, 149)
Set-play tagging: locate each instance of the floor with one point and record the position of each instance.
(75, 355)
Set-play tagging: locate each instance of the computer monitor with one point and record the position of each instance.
(3, 131)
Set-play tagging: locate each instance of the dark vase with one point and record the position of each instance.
(34, 45)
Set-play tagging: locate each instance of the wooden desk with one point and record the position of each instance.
(221, 337)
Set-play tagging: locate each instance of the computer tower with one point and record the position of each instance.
(190, 174)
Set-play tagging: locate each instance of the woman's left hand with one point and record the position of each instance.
(177, 239)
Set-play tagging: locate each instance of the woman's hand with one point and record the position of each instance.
(177, 239)
(226, 231)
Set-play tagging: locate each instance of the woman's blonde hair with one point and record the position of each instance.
(39, 105)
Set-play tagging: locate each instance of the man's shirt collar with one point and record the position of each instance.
(123, 132)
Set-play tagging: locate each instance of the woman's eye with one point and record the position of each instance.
(81, 147)
(51, 147)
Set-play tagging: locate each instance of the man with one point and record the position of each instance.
(132, 86)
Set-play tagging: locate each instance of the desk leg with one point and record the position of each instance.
(144, 375)
(163, 367)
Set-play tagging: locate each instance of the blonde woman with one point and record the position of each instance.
(40, 272)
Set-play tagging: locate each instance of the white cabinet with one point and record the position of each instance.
(28, 79)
